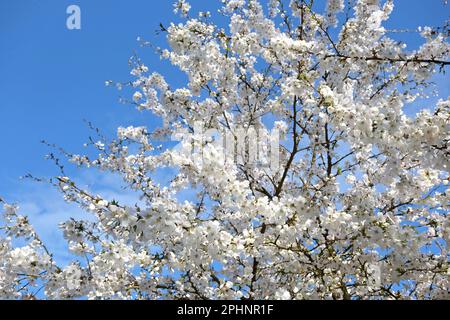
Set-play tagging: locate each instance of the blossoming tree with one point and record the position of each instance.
(356, 207)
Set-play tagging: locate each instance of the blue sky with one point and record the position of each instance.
(52, 78)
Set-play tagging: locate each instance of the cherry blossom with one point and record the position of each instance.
(356, 209)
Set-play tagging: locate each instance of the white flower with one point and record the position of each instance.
(182, 6)
(282, 294)
(137, 96)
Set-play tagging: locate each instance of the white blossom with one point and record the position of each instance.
(360, 185)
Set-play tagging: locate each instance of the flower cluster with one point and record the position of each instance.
(356, 209)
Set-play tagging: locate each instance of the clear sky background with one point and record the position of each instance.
(52, 78)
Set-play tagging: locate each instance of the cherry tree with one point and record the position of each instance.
(351, 204)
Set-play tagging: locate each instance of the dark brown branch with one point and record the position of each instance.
(392, 60)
